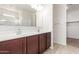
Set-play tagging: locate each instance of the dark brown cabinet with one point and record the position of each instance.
(11, 46)
(32, 44)
(48, 42)
(42, 42)
(26, 45)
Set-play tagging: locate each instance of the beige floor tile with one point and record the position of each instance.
(71, 48)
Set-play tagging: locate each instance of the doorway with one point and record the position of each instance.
(73, 25)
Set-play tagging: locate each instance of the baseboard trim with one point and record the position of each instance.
(58, 44)
(61, 43)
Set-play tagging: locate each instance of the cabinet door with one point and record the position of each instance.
(3, 48)
(32, 44)
(42, 43)
(11, 46)
(48, 40)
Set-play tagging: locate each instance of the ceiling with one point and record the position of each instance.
(18, 7)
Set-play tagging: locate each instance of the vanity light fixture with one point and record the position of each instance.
(37, 7)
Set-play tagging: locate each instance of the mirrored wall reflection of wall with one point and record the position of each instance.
(28, 18)
(17, 14)
(8, 17)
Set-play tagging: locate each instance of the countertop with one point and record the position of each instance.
(4, 37)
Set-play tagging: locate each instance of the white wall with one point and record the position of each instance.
(45, 21)
(59, 23)
(44, 18)
(73, 27)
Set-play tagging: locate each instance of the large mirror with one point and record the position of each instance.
(17, 14)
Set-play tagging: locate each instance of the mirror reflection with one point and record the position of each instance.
(17, 14)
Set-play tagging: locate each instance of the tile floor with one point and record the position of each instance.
(71, 48)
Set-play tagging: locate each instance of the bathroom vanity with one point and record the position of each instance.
(24, 30)
(26, 44)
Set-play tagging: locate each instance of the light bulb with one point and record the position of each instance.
(37, 7)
